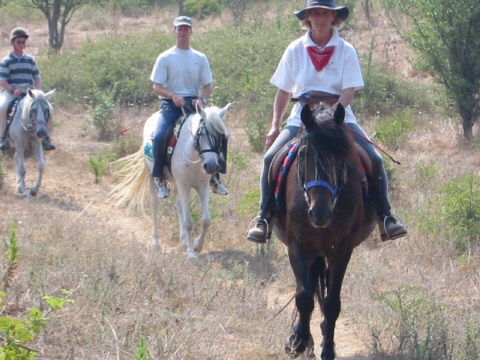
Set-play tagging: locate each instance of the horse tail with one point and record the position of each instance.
(131, 187)
(319, 278)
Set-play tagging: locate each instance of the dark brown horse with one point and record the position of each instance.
(323, 216)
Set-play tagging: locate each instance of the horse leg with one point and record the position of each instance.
(301, 339)
(187, 222)
(41, 166)
(19, 163)
(183, 234)
(332, 304)
(204, 194)
(154, 205)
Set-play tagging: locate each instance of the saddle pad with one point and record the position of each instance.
(171, 140)
(287, 162)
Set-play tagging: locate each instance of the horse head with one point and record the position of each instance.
(36, 111)
(211, 137)
(322, 165)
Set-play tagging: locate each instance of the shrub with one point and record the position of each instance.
(202, 8)
(417, 323)
(102, 114)
(456, 209)
(98, 166)
(391, 129)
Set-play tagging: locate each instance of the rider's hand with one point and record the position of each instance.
(17, 92)
(271, 136)
(178, 100)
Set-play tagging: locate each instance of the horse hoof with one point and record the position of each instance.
(156, 245)
(294, 347)
(33, 192)
(192, 255)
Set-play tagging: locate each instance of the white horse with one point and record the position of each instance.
(194, 160)
(28, 128)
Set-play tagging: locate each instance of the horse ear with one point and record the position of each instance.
(224, 110)
(50, 93)
(339, 114)
(30, 93)
(307, 117)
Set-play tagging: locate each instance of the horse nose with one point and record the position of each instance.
(319, 217)
(210, 168)
(41, 133)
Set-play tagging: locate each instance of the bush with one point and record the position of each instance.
(391, 129)
(101, 112)
(202, 8)
(456, 211)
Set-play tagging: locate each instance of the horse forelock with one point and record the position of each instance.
(214, 122)
(28, 102)
(331, 137)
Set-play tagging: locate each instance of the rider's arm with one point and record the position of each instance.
(37, 83)
(346, 97)
(7, 87)
(206, 93)
(162, 91)
(279, 107)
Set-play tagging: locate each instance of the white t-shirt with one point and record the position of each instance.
(296, 73)
(184, 72)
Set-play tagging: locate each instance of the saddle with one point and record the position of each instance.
(171, 138)
(283, 159)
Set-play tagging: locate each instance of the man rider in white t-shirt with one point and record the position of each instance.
(181, 77)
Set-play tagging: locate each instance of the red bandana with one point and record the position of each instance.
(320, 58)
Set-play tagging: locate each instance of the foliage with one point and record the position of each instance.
(391, 129)
(102, 114)
(59, 11)
(385, 93)
(446, 35)
(418, 324)
(16, 334)
(98, 166)
(142, 350)
(104, 65)
(202, 8)
(457, 212)
(418, 328)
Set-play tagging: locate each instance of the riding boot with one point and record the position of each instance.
(47, 145)
(389, 227)
(217, 185)
(162, 189)
(262, 230)
(4, 145)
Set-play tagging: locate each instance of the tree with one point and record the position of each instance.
(58, 14)
(446, 34)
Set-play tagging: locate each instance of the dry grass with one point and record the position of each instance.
(221, 306)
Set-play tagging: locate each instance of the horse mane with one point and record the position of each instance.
(214, 122)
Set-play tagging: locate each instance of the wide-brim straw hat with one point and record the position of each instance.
(342, 11)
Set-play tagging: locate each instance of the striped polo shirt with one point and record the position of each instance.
(19, 71)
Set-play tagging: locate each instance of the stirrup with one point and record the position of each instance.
(400, 221)
(256, 220)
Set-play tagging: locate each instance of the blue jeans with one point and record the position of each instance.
(169, 113)
(287, 134)
(380, 185)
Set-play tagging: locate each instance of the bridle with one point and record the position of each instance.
(324, 164)
(214, 143)
(33, 119)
